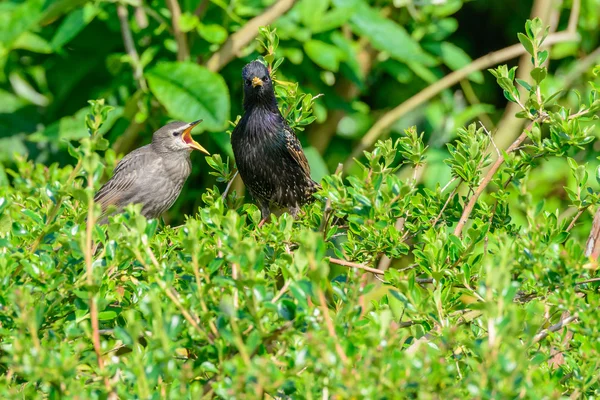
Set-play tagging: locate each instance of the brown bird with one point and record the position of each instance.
(268, 155)
(152, 175)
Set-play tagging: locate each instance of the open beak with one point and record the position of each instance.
(187, 137)
(256, 81)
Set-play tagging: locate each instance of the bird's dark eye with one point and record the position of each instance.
(176, 133)
(266, 78)
(248, 82)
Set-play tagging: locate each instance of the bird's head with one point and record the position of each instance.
(258, 87)
(177, 137)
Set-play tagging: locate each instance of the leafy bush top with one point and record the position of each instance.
(491, 296)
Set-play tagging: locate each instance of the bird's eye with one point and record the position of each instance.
(266, 78)
(176, 133)
(248, 82)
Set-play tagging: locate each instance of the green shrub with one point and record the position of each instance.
(486, 298)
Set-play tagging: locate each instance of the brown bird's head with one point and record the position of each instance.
(177, 137)
(258, 87)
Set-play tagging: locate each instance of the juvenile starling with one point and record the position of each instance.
(152, 175)
(268, 154)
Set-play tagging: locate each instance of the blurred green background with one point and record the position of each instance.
(160, 60)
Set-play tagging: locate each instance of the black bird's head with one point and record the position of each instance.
(258, 87)
(177, 137)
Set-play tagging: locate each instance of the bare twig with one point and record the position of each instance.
(129, 44)
(554, 328)
(449, 80)
(183, 52)
(576, 217)
(355, 265)
(224, 195)
(330, 327)
(491, 139)
(450, 197)
(241, 38)
(282, 291)
(591, 280)
(89, 268)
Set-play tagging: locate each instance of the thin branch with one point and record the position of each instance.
(574, 17)
(450, 197)
(183, 52)
(330, 327)
(591, 280)
(201, 9)
(345, 263)
(138, 72)
(449, 80)
(224, 195)
(89, 269)
(241, 38)
(491, 139)
(554, 328)
(486, 180)
(576, 217)
(282, 291)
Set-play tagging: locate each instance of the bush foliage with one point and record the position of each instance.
(420, 274)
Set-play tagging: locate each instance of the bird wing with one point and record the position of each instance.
(127, 172)
(295, 149)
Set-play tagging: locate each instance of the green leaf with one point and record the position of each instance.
(190, 92)
(523, 83)
(386, 35)
(325, 55)
(539, 74)
(526, 42)
(73, 24)
(32, 42)
(213, 33)
(456, 58)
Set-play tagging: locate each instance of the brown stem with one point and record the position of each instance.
(576, 217)
(330, 327)
(486, 181)
(183, 52)
(138, 72)
(241, 38)
(355, 265)
(554, 328)
(224, 195)
(449, 80)
(435, 221)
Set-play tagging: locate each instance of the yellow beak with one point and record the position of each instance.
(256, 81)
(187, 137)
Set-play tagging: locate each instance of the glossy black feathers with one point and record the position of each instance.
(268, 154)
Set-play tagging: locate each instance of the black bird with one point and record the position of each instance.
(268, 154)
(152, 175)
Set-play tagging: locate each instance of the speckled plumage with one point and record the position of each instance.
(152, 175)
(268, 154)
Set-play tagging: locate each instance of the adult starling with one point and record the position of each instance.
(268, 154)
(152, 175)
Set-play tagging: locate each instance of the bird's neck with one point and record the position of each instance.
(263, 121)
(266, 102)
(161, 149)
